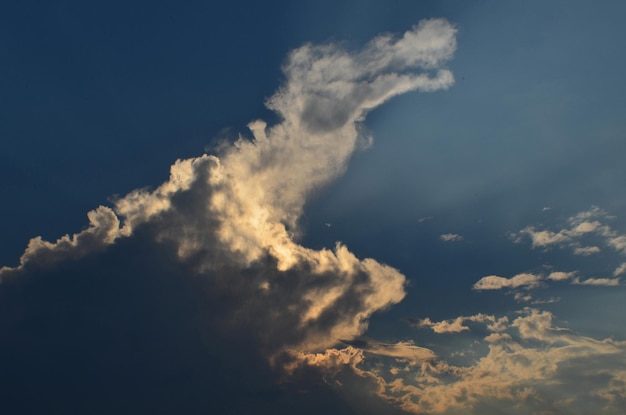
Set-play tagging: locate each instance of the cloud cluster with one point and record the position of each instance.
(584, 225)
(530, 281)
(531, 366)
(517, 363)
(229, 224)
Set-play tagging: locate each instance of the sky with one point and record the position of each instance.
(341, 207)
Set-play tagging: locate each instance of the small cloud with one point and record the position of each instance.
(494, 282)
(561, 276)
(498, 337)
(445, 326)
(550, 300)
(618, 243)
(401, 350)
(450, 237)
(620, 270)
(606, 282)
(328, 225)
(424, 219)
(523, 297)
(542, 238)
(546, 208)
(586, 250)
(457, 325)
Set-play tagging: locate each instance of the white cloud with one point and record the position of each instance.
(450, 237)
(494, 282)
(561, 276)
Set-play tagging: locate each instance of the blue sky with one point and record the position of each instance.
(472, 170)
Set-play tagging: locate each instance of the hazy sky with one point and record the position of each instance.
(321, 206)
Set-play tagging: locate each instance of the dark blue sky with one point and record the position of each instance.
(516, 169)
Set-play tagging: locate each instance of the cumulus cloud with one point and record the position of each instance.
(104, 229)
(561, 276)
(234, 216)
(450, 237)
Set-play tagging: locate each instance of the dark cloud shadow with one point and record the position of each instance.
(133, 330)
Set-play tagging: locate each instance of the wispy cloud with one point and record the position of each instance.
(400, 350)
(586, 224)
(450, 237)
(606, 282)
(620, 270)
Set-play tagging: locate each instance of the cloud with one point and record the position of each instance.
(531, 281)
(494, 282)
(620, 270)
(606, 282)
(582, 226)
(400, 350)
(586, 250)
(561, 276)
(229, 222)
(618, 243)
(530, 366)
(457, 324)
(450, 237)
(542, 238)
(201, 284)
(104, 229)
